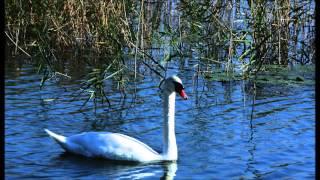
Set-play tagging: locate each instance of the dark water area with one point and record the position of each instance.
(224, 130)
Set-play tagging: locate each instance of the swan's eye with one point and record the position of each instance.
(178, 87)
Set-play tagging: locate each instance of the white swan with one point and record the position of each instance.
(117, 146)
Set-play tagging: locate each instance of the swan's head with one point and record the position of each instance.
(173, 84)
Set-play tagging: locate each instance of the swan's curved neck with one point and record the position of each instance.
(170, 151)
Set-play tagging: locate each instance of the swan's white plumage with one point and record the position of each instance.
(108, 145)
(117, 146)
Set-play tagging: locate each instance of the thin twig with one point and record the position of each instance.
(17, 45)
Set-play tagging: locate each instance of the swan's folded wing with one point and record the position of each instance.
(112, 146)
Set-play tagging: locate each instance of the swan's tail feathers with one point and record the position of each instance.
(60, 139)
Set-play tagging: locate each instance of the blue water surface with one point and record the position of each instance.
(224, 130)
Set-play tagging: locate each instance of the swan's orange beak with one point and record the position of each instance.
(183, 94)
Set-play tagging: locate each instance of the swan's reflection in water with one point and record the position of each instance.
(93, 168)
(170, 169)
